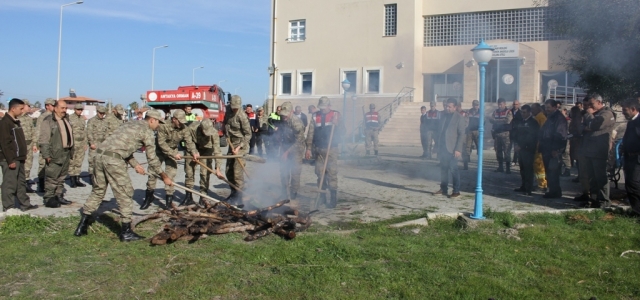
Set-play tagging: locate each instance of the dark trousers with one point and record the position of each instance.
(448, 165)
(599, 179)
(525, 160)
(14, 185)
(503, 147)
(259, 141)
(631, 181)
(516, 154)
(252, 143)
(552, 168)
(427, 137)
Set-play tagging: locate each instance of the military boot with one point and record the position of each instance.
(52, 202)
(85, 221)
(465, 166)
(500, 168)
(375, 152)
(323, 198)
(79, 183)
(72, 182)
(127, 234)
(148, 199)
(40, 184)
(29, 189)
(334, 199)
(62, 200)
(188, 199)
(508, 169)
(169, 199)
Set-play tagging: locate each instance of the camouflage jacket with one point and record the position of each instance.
(36, 135)
(263, 123)
(79, 129)
(238, 129)
(30, 135)
(97, 130)
(168, 137)
(203, 141)
(131, 137)
(291, 134)
(113, 123)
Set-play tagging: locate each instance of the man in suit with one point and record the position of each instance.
(451, 136)
(631, 152)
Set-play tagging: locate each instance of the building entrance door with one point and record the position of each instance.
(503, 80)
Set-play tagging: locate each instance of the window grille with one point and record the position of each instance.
(520, 25)
(390, 19)
(297, 32)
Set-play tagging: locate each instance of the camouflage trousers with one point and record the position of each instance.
(290, 170)
(28, 163)
(472, 138)
(190, 170)
(109, 170)
(371, 137)
(503, 145)
(331, 174)
(170, 168)
(234, 172)
(55, 174)
(41, 165)
(75, 165)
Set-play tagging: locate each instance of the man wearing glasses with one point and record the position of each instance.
(97, 132)
(78, 122)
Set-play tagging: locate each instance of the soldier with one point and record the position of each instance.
(320, 128)
(429, 122)
(501, 120)
(78, 122)
(472, 132)
(167, 139)
(97, 131)
(207, 142)
(262, 130)
(26, 122)
(48, 106)
(372, 128)
(291, 135)
(112, 157)
(517, 117)
(239, 134)
(115, 119)
(525, 137)
(56, 147)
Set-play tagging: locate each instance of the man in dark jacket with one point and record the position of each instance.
(517, 118)
(596, 142)
(525, 137)
(631, 152)
(13, 152)
(429, 121)
(472, 132)
(451, 136)
(552, 141)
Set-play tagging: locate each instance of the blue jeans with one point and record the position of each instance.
(448, 165)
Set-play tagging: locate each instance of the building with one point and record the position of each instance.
(412, 51)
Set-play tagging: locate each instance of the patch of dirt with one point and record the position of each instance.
(608, 217)
(579, 218)
(510, 233)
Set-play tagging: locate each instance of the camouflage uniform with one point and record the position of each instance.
(239, 134)
(110, 165)
(114, 120)
(318, 139)
(80, 142)
(97, 131)
(372, 129)
(291, 136)
(207, 141)
(167, 139)
(41, 162)
(501, 120)
(51, 146)
(26, 122)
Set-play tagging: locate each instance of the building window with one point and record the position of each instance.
(306, 83)
(390, 19)
(560, 85)
(285, 88)
(352, 76)
(373, 81)
(297, 31)
(440, 87)
(519, 25)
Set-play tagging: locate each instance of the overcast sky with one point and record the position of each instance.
(107, 47)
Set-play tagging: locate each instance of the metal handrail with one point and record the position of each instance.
(571, 95)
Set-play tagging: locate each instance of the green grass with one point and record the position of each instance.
(571, 256)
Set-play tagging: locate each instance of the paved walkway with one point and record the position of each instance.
(395, 183)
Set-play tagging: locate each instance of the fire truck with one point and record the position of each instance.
(206, 102)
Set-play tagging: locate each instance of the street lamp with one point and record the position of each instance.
(345, 86)
(194, 74)
(60, 46)
(153, 62)
(482, 54)
(221, 81)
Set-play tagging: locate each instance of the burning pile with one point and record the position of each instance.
(194, 222)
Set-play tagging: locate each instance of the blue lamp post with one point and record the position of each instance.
(482, 54)
(345, 86)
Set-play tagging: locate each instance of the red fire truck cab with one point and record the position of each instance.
(206, 101)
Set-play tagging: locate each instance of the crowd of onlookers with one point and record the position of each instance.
(546, 139)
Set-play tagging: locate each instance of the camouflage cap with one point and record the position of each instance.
(207, 127)
(236, 102)
(153, 113)
(286, 109)
(475, 102)
(119, 109)
(260, 108)
(372, 106)
(102, 109)
(26, 102)
(78, 106)
(432, 103)
(180, 115)
(50, 101)
(323, 102)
